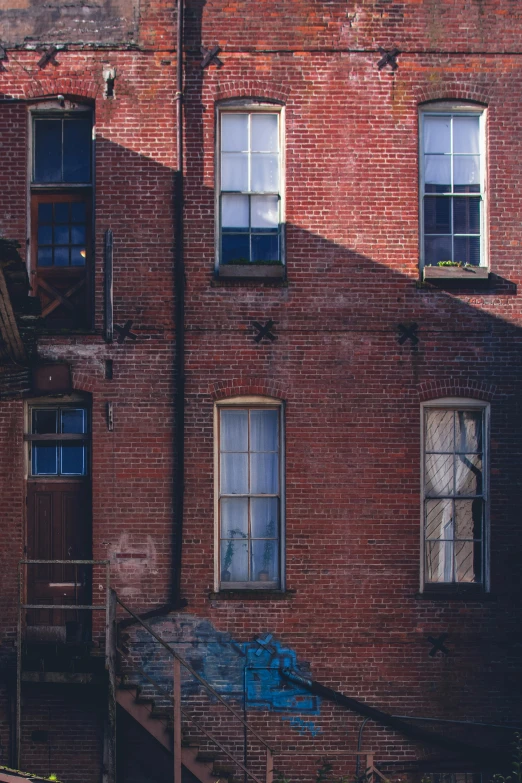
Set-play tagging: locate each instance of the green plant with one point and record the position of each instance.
(516, 772)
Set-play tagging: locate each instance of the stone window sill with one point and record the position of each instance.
(252, 595)
(461, 274)
(474, 593)
(251, 271)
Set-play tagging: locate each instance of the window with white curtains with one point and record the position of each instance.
(249, 495)
(455, 492)
(249, 184)
(452, 182)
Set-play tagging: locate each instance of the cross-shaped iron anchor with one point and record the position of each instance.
(49, 56)
(388, 58)
(438, 645)
(264, 331)
(407, 333)
(125, 331)
(210, 56)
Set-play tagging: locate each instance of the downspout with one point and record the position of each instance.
(179, 323)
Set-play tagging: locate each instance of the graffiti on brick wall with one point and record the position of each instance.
(248, 672)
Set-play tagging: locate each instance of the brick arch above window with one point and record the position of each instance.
(456, 387)
(255, 89)
(449, 91)
(242, 387)
(74, 89)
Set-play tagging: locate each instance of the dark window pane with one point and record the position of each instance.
(47, 150)
(235, 247)
(73, 420)
(437, 249)
(466, 215)
(265, 247)
(78, 256)
(45, 459)
(45, 213)
(45, 422)
(78, 235)
(467, 250)
(78, 214)
(61, 212)
(437, 215)
(431, 188)
(77, 137)
(45, 256)
(466, 188)
(73, 459)
(45, 235)
(61, 256)
(61, 235)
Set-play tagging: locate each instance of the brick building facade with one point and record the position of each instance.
(351, 405)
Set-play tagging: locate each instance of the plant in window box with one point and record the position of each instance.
(264, 574)
(226, 574)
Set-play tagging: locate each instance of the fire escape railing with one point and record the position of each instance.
(178, 711)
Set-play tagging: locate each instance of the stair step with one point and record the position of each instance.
(206, 755)
(145, 700)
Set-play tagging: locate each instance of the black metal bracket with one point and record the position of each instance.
(438, 644)
(125, 331)
(264, 331)
(407, 333)
(49, 56)
(388, 58)
(210, 57)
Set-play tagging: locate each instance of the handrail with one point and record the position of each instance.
(189, 668)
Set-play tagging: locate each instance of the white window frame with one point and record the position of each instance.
(457, 404)
(251, 402)
(249, 106)
(444, 108)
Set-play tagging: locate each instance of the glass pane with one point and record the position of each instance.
(45, 422)
(466, 134)
(61, 256)
(61, 212)
(468, 430)
(61, 235)
(78, 212)
(438, 514)
(264, 478)
(263, 430)
(439, 561)
(234, 518)
(264, 173)
(234, 211)
(45, 459)
(265, 211)
(45, 256)
(45, 235)
(234, 431)
(437, 134)
(77, 145)
(234, 474)
(469, 474)
(439, 430)
(45, 213)
(466, 215)
(467, 250)
(73, 459)
(439, 474)
(78, 235)
(468, 518)
(466, 170)
(437, 215)
(47, 150)
(264, 516)
(265, 561)
(235, 248)
(234, 132)
(265, 137)
(74, 420)
(437, 170)
(468, 556)
(437, 249)
(234, 171)
(265, 248)
(78, 256)
(234, 561)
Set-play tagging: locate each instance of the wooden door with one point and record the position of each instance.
(58, 529)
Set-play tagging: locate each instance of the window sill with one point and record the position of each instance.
(251, 271)
(252, 595)
(461, 274)
(466, 593)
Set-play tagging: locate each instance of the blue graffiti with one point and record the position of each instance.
(302, 726)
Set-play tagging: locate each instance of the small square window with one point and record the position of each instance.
(250, 496)
(249, 187)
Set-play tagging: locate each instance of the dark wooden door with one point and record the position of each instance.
(58, 529)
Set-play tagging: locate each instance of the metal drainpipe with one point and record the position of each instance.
(179, 321)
